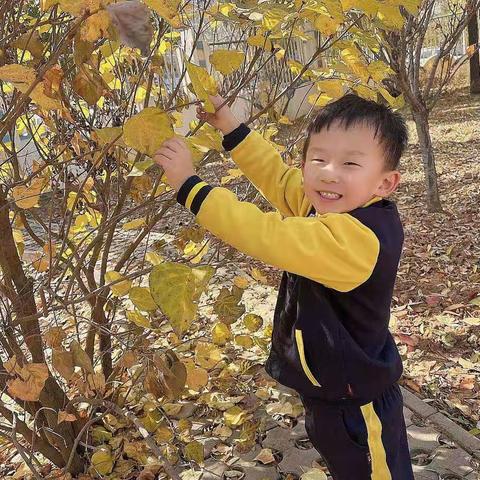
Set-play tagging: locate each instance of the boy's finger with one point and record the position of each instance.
(169, 145)
(179, 141)
(161, 158)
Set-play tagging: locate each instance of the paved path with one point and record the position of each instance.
(440, 450)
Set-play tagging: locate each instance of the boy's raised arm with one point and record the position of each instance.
(280, 184)
(263, 165)
(336, 249)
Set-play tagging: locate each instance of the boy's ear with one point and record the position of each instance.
(389, 183)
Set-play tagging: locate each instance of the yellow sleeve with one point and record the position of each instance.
(280, 184)
(335, 249)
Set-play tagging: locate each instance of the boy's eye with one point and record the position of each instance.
(317, 160)
(352, 163)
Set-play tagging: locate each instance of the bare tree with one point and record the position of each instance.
(423, 87)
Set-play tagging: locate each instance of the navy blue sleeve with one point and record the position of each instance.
(232, 139)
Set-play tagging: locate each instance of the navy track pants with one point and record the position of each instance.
(367, 442)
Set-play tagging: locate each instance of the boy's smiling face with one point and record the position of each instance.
(346, 168)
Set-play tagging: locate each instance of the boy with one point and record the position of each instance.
(339, 241)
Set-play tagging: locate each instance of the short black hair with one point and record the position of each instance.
(389, 126)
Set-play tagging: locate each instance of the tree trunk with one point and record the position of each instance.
(474, 59)
(428, 160)
(52, 397)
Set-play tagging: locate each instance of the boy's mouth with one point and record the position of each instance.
(326, 195)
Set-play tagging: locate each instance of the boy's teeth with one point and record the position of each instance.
(330, 195)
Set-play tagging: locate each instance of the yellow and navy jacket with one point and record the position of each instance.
(330, 336)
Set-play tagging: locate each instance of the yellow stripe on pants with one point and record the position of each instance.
(380, 470)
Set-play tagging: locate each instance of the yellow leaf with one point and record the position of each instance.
(176, 288)
(46, 4)
(31, 385)
(195, 252)
(152, 418)
(138, 319)
(235, 416)
(326, 24)
(108, 135)
(366, 92)
(260, 41)
(273, 17)
(253, 322)
(332, 88)
(154, 258)
(232, 174)
(206, 136)
(241, 282)
(391, 16)
(227, 61)
(394, 102)
(370, 7)
(40, 262)
(40, 98)
(25, 197)
(257, 275)
(203, 85)
(352, 57)
(147, 130)
(139, 168)
(168, 9)
(142, 299)
(134, 224)
(194, 451)
(411, 6)
(221, 333)
(17, 74)
(77, 8)
(244, 341)
(163, 434)
(102, 461)
(95, 26)
(118, 289)
(379, 70)
(109, 48)
(197, 377)
(207, 355)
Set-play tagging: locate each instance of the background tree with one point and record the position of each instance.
(106, 310)
(475, 57)
(423, 85)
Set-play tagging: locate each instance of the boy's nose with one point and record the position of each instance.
(329, 176)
